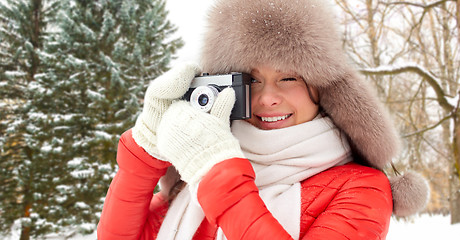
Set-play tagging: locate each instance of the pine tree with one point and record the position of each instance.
(93, 70)
(106, 53)
(22, 33)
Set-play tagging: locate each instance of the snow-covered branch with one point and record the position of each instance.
(431, 79)
(424, 6)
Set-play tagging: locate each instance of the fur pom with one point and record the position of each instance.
(410, 194)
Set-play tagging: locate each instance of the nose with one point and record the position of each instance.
(269, 96)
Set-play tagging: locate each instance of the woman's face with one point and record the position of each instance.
(280, 99)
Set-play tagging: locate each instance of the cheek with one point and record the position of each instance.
(298, 96)
(254, 99)
(304, 106)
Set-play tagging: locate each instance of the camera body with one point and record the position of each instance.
(204, 89)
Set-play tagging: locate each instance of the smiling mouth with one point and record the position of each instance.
(274, 119)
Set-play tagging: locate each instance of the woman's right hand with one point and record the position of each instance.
(161, 92)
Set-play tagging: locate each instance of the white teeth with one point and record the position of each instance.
(274, 119)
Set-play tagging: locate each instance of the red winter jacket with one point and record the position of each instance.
(345, 202)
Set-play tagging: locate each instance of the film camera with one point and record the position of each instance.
(204, 90)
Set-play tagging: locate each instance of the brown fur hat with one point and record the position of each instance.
(302, 36)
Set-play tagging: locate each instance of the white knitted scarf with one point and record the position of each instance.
(281, 159)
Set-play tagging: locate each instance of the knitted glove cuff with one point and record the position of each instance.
(203, 161)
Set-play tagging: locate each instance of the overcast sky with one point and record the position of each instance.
(189, 17)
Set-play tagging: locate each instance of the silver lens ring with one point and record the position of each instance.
(203, 97)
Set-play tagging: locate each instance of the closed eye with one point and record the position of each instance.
(289, 79)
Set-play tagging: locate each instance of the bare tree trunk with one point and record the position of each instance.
(458, 19)
(455, 176)
(25, 229)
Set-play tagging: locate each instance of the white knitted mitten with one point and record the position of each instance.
(159, 96)
(194, 141)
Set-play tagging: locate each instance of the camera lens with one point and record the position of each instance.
(203, 99)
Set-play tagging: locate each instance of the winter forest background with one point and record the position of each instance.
(73, 75)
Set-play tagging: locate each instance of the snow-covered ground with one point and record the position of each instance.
(421, 228)
(424, 227)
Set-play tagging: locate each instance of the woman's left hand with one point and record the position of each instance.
(194, 141)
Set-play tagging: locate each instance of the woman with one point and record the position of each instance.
(306, 165)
